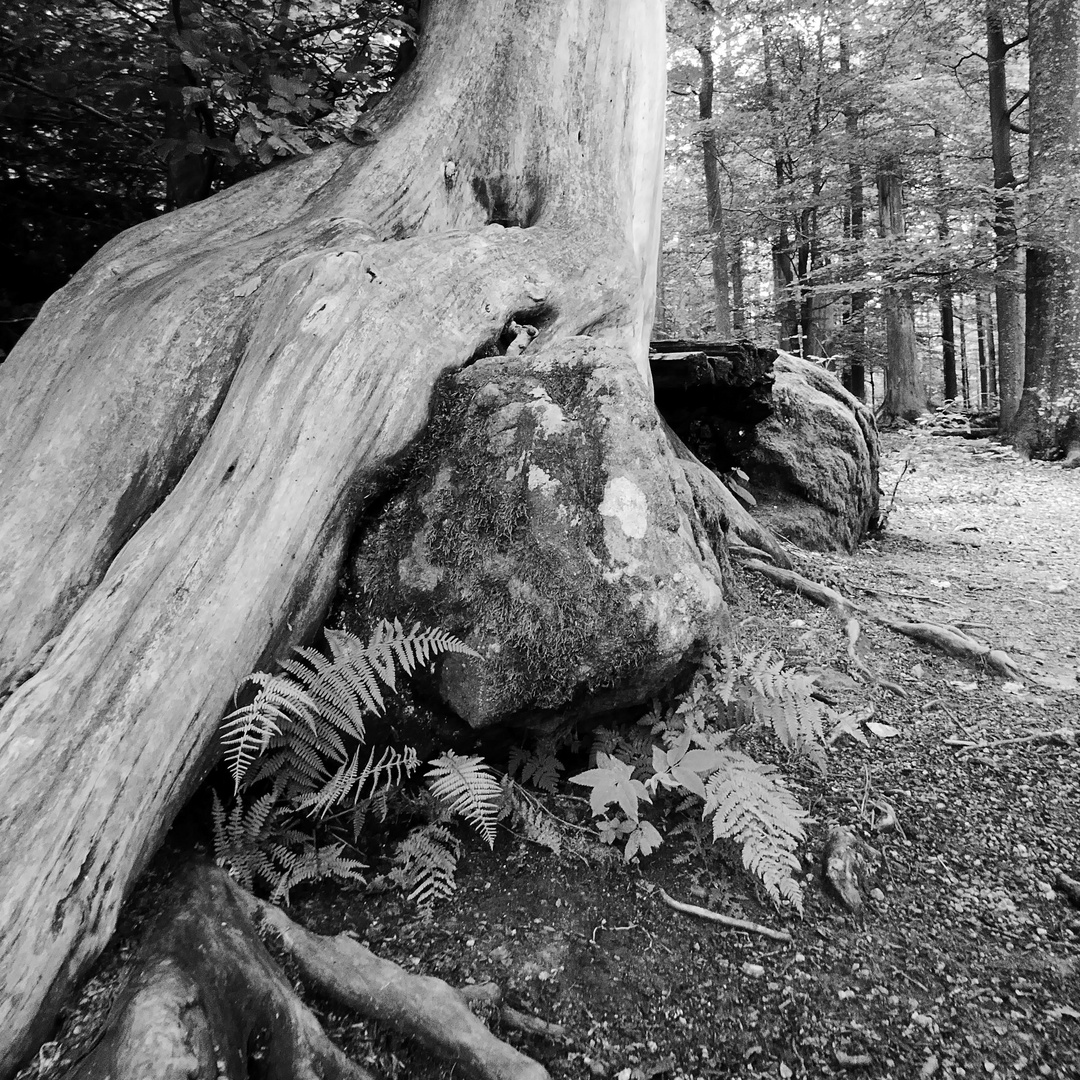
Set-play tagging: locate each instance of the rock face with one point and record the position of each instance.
(814, 469)
(547, 523)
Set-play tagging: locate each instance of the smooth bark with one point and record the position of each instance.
(188, 432)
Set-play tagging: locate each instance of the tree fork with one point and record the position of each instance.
(187, 432)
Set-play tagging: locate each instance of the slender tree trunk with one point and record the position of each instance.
(948, 341)
(189, 122)
(961, 326)
(905, 393)
(785, 281)
(986, 311)
(738, 301)
(854, 232)
(710, 153)
(1048, 420)
(1009, 272)
(189, 429)
(984, 363)
(945, 287)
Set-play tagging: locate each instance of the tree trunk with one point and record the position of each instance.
(965, 381)
(948, 341)
(189, 170)
(1047, 422)
(1009, 271)
(905, 394)
(738, 299)
(710, 153)
(854, 231)
(189, 430)
(987, 365)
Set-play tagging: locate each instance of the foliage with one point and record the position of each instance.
(103, 104)
(303, 735)
(695, 759)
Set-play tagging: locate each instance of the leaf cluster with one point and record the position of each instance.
(692, 753)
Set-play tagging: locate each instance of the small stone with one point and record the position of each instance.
(877, 895)
(930, 1067)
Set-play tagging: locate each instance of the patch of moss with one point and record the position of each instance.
(542, 597)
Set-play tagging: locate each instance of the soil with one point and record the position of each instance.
(966, 961)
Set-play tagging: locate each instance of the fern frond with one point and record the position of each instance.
(312, 864)
(750, 804)
(468, 788)
(783, 699)
(425, 864)
(241, 835)
(526, 813)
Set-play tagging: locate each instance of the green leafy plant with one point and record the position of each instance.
(303, 734)
(747, 801)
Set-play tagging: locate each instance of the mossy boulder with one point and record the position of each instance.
(814, 468)
(547, 523)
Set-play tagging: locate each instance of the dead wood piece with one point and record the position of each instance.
(848, 865)
(426, 1008)
(1069, 886)
(725, 920)
(491, 994)
(207, 998)
(1062, 736)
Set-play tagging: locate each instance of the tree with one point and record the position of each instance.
(189, 427)
(1047, 422)
(711, 162)
(1008, 278)
(905, 395)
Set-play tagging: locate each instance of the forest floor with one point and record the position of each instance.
(967, 962)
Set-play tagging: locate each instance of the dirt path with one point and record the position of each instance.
(967, 963)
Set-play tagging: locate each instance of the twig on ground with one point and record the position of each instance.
(1063, 736)
(725, 920)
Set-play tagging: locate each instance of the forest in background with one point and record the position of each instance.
(852, 181)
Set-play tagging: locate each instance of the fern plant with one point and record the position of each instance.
(747, 801)
(303, 734)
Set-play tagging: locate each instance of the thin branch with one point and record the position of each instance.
(114, 121)
(725, 920)
(1016, 104)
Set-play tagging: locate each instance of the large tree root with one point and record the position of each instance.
(208, 1000)
(948, 638)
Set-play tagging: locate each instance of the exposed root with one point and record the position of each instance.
(491, 995)
(208, 1000)
(948, 638)
(426, 1008)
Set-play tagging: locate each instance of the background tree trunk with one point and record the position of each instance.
(188, 431)
(905, 394)
(1009, 272)
(717, 239)
(1048, 419)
